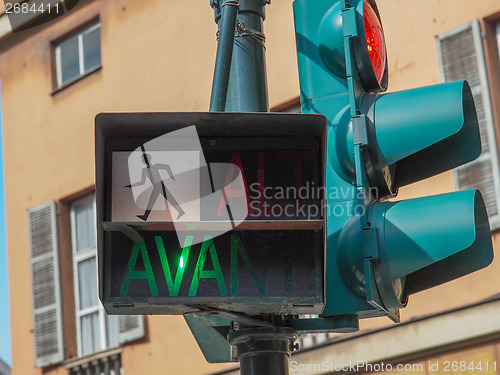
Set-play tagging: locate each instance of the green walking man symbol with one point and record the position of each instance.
(152, 172)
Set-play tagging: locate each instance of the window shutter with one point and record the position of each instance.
(130, 327)
(461, 56)
(45, 283)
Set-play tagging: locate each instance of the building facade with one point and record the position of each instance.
(158, 56)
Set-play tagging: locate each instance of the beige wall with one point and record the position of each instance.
(158, 55)
(410, 28)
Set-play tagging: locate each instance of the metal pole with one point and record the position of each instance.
(227, 27)
(247, 81)
(260, 350)
(263, 351)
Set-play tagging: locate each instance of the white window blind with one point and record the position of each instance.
(45, 282)
(461, 56)
(131, 327)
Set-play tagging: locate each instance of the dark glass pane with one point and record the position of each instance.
(91, 333)
(70, 66)
(87, 283)
(85, 226)
(92, 49)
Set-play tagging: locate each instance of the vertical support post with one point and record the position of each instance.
(226, 19)
(247, 83)
(260, 350)
(263, 350)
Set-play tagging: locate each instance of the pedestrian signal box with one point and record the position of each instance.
(206, 211)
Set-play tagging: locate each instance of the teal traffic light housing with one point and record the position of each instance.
(380, 251)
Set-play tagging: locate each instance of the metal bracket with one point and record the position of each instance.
(244, 6)
(124, 228)
(349, 21)
(370, 243)
(210, 333)
(360, 131)
(338, 324)
(373, 296)
(230, 316)
(215, 3)
(243, 319)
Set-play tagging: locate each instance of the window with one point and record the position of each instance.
(95, 329)
(78, 55)
(461, 56)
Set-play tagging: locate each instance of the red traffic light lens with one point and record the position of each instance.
(375, 41)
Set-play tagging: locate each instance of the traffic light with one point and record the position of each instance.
(380, 251)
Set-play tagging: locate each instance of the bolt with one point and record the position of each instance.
(251, 344)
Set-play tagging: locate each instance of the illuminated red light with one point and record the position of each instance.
(375, 41)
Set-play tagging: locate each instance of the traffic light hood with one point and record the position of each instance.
(436, 239)
(423, 143)
(419, 243)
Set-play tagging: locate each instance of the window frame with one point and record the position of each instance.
(492, 60)
(77, 258)
(78, 33)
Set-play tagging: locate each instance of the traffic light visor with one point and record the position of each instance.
(436, 239)
(424, 143)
